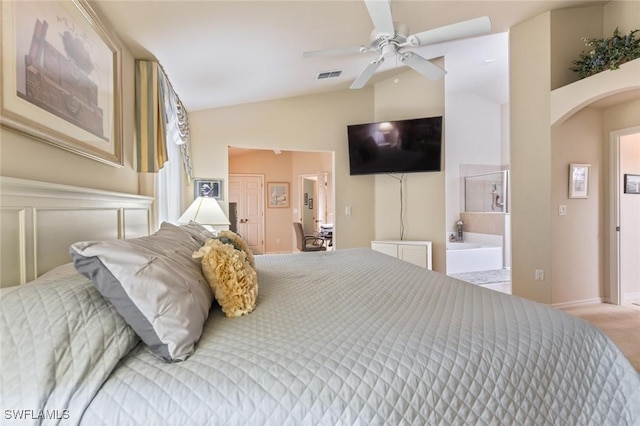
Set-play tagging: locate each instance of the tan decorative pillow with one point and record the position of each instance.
(237, 241)
(232, 278)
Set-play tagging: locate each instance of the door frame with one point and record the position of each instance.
(320, 179)
(613, 225)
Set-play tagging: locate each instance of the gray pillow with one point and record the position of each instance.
(154, 283)
(197, 231)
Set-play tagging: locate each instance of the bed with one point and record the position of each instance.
(341, 337)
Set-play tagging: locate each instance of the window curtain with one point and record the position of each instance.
(151, 145)
(162, 138)
(160, 119)
(170, 180)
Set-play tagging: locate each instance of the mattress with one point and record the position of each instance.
(356, 337)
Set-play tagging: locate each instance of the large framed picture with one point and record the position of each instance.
(631, 184)
(61, 77)
(579, 180)
(278, 194)
(208, 188)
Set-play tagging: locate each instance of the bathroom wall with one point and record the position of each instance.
(484, 223)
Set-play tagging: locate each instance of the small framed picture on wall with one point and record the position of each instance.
(579, 180)
(208, 188)
(278, 194)
(631, 184)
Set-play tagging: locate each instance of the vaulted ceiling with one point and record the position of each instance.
(220, 53)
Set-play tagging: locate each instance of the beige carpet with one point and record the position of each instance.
(620, 323)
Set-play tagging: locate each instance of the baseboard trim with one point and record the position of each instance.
(577, 303)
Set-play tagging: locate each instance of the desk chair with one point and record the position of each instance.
(307, 242)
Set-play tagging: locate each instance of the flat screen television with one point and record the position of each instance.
(403, 146)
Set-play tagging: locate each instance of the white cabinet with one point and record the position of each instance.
(416, 252)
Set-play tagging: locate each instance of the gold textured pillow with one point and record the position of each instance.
(232, 278)
(237, 241)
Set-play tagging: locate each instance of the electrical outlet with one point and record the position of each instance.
(539, 275)
(562, 210)
(277, 240)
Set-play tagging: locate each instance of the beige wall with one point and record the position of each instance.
(318, 123)
(314, 123)
(540, 157)
(529, 50)
(621, 14)
(24, 157)
(578, 241)
(412, 96)
(568, 27)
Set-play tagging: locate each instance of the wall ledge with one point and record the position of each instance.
(569, 99)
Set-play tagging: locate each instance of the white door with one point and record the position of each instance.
(629, 219)
(624, 226)
(247, 191)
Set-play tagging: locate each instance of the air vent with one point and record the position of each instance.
(328, 74)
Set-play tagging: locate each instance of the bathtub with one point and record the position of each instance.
(472, 256)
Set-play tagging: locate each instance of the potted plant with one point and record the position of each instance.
(607, 53)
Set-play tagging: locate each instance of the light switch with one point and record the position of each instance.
(347, 211)
(562, 210)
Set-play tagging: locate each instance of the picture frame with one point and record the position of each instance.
(631, 184)
(208, 188)
(579, 180)
(62, 78)
(278, 194)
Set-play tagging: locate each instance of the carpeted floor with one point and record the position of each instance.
(620, 323)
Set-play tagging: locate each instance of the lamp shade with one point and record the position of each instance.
(206, 211)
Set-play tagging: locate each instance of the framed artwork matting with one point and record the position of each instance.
(62, 77)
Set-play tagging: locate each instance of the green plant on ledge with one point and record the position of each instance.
(607, 53)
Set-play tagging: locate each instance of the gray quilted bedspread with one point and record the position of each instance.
(354, 337)
(351, 337)
(58, 343)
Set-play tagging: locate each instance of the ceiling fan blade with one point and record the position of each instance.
(422, 65)
(470, 28)
(366, 74)
(334, 52)
(380, 12)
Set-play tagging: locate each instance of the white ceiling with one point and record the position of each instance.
(221, 53)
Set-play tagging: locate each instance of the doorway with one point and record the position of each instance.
(282, 166)
(624, 227)
(313, 201)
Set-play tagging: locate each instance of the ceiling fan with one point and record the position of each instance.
(389, 39)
